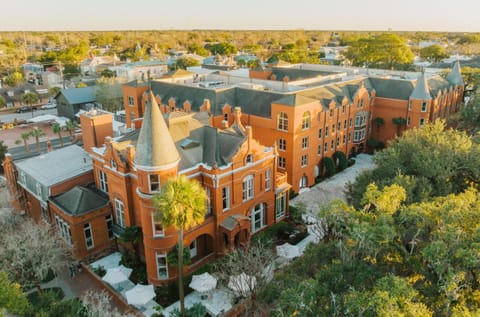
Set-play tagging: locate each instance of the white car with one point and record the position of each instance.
(48, 106)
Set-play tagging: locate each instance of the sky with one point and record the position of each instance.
(84, 15)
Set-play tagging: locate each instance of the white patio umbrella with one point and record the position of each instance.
(117, 275)
(288, 251)
(242, 284)
(203, 282)
(140, 294)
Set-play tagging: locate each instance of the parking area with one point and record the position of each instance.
(333, 187)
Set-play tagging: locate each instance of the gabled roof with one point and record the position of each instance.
(295, 100)
(155, 147)
(57, 166)
(80, 200)
(455, 76)
(79, 95)
(421, 90)
(392, 88)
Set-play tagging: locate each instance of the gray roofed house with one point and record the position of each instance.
(38, 174)
(80, 200)
(70, 101)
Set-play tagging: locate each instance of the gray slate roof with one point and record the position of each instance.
(421, 90)
(57, 166)
(80, 200)
(455, 76)
(79, 95)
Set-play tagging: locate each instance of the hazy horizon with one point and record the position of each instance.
(268, 15)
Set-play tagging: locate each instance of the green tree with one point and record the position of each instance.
(24, 137)
(108, 73)
(54, 91)
(184, 62)
(36, 132)
(132, 235)
(12, 297)
(379, 122)
(57, 129)
(341, 160)
(399, 122)
(434, 53)
(3, 151)
(71, 126)
(181, 204)
(385, 50)
(3, 102)
(109, 94)
(329, 166)
(14, 79)
(223, 48)
(30, 98)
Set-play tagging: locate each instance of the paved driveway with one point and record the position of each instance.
(333, 187)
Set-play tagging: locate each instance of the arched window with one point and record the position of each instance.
(282, 121)
(306, 120)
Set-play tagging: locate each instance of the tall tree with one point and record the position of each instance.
(57, 129)
(71, 126)
(108, 92)
(434, 53)
(3, 102)
(181, 204)
(36, 132)
(399, 122)
(12, 297)
(24, 137)
(30, 98)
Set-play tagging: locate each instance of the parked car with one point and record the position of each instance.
(24, 109)
(48, 106)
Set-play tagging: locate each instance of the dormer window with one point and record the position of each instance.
(113, 163)
(249, 159)
(154, 182)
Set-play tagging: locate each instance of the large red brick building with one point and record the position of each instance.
(309, 113)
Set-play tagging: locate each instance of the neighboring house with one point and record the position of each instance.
(333, 55)
(71, 101)
(306, 117)
(13, 95)
(49, 79)
(179, 76)
(32, 181)
(247, 193)
(140, 70)
(91, 66)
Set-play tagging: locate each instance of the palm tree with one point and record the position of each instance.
(24, 136)
(30, 98)
(71, 125)
(379, 122)
(37, 133)
(399, 122)
(181, 203)
(56, 128)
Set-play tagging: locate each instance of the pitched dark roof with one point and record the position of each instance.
(79, 95)
(80, 200)
(392, 88)
(295, 100)
(455, 76)
(421, 90)
(296, 73)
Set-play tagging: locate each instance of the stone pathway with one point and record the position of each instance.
(333, 187)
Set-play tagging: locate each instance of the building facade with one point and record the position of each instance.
(246, 191)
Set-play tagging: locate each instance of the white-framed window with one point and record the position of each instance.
(282, 121)
(281, 162)
(87, 231)
(304, 160)
(282, 144)
(408, 121)
(350, 137)
(343, 109)
(225, 198)
(193, 249)
(331, 113)
(113, 164)
(345, 124)
(422, 121)
(280, 206)
(326, 131)
(23, 178)
(339, 125)
(359, 135)
(305, 143)
(103, 181)
(333, 128)
(119, 212)
(306, 120)
(157, 227)
(360, 103)
(268, 176)
(38, 188)
(225, 116)
(320, 133)
(350, 122)
(303, 182)
(361, 119)
(109, 222)
(209, 207)
(63, 229)
(257, 217)
(344, 139)
(424, 106)
(332, 144)
(154, 183)
(162, 266)
(338, 140)
(319, 149)
(325, 148)
(247, 187)
(131, 101)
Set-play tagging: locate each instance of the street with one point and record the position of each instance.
(9, 117)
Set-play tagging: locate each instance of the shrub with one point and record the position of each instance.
(341, 160)
(329, 166)
(100, 271)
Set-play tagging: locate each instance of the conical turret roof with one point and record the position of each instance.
(155, 147)
(421, 90)
(455, 76)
